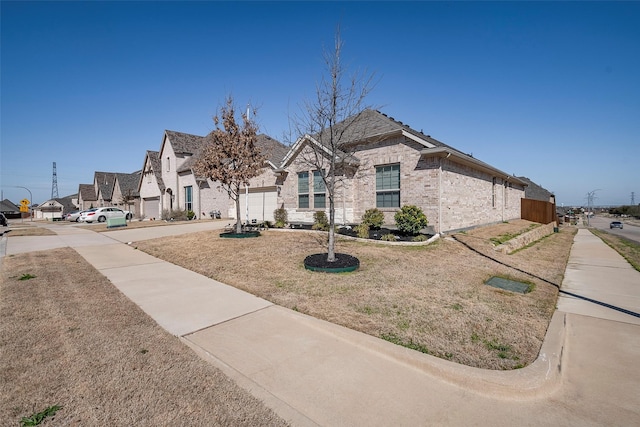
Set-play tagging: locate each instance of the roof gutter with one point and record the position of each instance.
(464, 159)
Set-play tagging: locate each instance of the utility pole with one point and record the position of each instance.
(590, 196)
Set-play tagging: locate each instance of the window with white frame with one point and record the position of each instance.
(319, 190)
(303, 190)
(388, 186)
(188, 198)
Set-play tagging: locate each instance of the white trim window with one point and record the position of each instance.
(303, 190)
(188, 198)
(388, 186)
(319, 190)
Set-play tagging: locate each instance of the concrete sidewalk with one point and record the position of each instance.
(315, 373)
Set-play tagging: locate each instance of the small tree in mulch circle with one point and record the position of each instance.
(328, 123)
(230, 155)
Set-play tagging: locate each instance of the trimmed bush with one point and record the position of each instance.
(374, 218)
(320, 221)
(410, 219)
(281, 217)
(174, 215)
(362, 230)
(389, 237)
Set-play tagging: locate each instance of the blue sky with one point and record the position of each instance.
(546, 90)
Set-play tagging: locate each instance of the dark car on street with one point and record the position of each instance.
(616, 224)
(3, 220)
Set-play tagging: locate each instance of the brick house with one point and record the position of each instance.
(386, 164)
(168, 181)
(124, 194)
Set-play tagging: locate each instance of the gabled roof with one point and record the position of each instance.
(65, 202)
(371, 126)
(271, 148)
(156, 168)
(128, 183)
(87, 192)
(184, 143)
(366, 126)
(105, 181)
(8, 206)
(534, 191)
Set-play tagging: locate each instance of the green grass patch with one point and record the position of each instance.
(628, 249)
(27, 276)
(393, 338)
(498, 240)
(36, 419)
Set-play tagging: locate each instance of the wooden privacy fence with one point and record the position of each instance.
(538, 211)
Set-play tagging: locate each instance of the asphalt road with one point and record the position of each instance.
(629, 231)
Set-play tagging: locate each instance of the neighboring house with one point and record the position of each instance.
(55, 208)
(124, 194)
(169, 183)
(103, 185)
(389, 165)
(536, 192)
(9, 209)
(87, 197)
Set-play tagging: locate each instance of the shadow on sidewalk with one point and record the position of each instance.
(602, 303)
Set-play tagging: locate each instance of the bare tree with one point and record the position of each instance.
(329, 123)
(230, 155)
(127, 199)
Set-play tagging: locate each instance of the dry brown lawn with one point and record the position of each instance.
(68, 337)
(430, 298)
(26, 229)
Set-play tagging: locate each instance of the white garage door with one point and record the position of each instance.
(151, 208)
(262, 202)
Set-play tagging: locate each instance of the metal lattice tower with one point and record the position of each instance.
(633, 198)
(54, 183)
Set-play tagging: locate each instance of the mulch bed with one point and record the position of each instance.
(374, 234)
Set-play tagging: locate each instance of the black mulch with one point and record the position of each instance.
(342, 261)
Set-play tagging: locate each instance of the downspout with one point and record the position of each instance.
(440, 195)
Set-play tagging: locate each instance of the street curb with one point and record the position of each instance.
(539, 379)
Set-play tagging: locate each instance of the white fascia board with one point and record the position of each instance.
(297, 146)
(417, 139)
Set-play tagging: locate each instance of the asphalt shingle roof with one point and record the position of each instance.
(87, 192)
(129, 183)
(156, 165)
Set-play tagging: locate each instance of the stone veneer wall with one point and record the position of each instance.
(523, 240)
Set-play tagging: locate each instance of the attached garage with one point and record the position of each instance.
(151, 207)
(262, 202)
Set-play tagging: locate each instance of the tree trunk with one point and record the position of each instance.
(239, 221)
(238, 216)
(331, 250)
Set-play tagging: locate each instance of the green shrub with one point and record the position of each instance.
(419, 238)
(320, 221)
(190, 215)
(362, 230)
(174, 215)
(281, 217)
(388, 237)
(374, 218)
(410, 219)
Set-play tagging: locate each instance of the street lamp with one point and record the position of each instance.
(30, 201)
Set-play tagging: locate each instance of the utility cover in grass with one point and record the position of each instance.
(509, 285)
